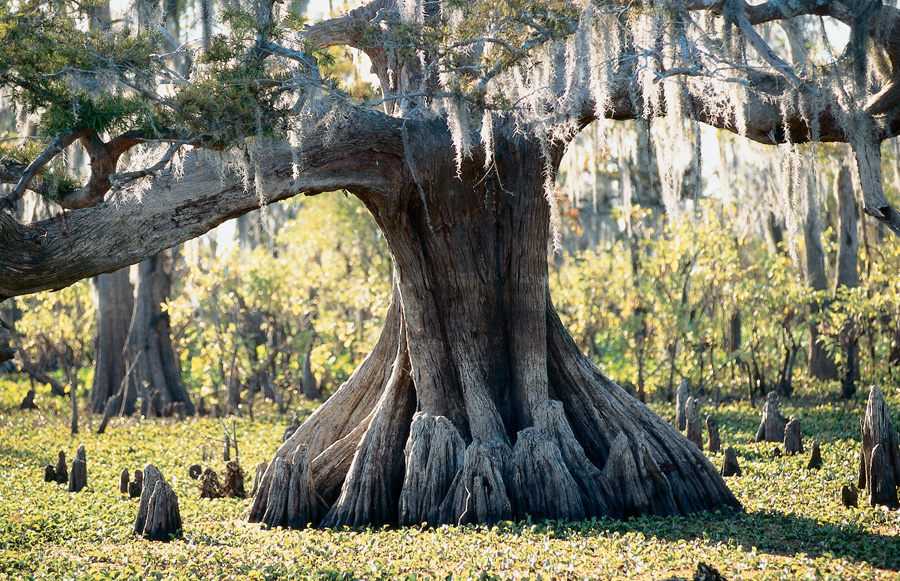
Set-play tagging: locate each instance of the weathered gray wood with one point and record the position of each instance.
(730, 466)
(681, 396)
(78, 475)
(124, 481)
(882, 486)
(624, 480)
(772, 423)
(257, 476)
(815, 457)
(692, 422)
(150, 476)
(793, 442)
(541, 484)
(287, 497)
(433, 455)
(303, 503)
(879, 473)
(163, 516)
(478, 492)
(712, 428)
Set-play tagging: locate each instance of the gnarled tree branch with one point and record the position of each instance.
(364, 157)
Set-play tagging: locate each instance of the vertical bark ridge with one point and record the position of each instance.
(434, 454)
(523, 258)
(372, 486)
(478, 493)
(597, 408)
(337, 425)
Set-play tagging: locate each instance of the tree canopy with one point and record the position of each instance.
(258, 116)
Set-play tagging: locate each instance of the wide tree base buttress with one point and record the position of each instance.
(367, 457)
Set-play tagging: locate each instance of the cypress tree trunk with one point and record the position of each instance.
(847, 274)
(475, 404)
(115, 305)
(156, 373)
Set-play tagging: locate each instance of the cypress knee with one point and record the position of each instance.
(694, 429)
(815, 457)
(210, 487)
(712, 427)
(78, 476)
(124, 481)
(879, 461)
(849, 496)
(793, 444)
(62, 473)
(730, 465)
(234, 480)
(158, 517)
(163, 517)
(137, 487)
(772, 424)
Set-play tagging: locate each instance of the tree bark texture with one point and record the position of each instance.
(879, 456)
(156, 371)
(475, 405)
(115, 304)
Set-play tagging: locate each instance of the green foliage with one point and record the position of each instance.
(672, 319)
(58, 328)
(324, 285)
(793, 526)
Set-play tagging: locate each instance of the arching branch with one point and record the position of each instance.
(347, 29)
(363, 157)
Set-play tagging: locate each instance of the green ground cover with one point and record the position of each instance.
(793, 525)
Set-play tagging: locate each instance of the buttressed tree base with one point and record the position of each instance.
(475, 404)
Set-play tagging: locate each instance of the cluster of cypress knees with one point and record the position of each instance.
(158, 517)
(879, 458)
